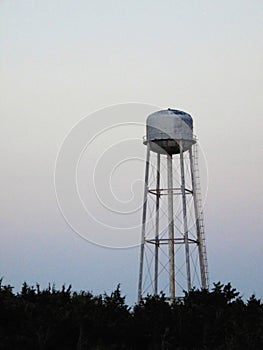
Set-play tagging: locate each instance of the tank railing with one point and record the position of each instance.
(144, 138)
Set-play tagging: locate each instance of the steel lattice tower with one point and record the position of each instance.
(173, 255)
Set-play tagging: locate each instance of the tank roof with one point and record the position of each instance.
(176, 111)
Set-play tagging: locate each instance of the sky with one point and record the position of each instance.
(78, 79)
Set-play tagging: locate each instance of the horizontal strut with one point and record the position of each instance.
(158, 192)
(167, 240)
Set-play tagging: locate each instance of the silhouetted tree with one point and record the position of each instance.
(50, 318)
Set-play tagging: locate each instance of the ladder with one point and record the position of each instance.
(200, 220)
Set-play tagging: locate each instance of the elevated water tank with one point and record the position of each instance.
(167, 129)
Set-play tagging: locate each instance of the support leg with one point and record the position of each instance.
(171, 226)
(187, 255)
(144, 222)
(156, 256)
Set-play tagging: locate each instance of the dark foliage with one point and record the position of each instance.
(61, 319)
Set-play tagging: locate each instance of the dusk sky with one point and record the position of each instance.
(78, 79)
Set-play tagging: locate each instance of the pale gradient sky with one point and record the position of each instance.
(62, 60)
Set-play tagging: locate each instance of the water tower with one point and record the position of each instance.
(173, 251)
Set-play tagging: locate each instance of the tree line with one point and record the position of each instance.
(53, 318)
